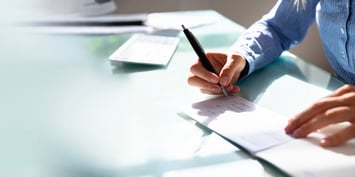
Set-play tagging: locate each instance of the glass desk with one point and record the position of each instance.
(66, 111)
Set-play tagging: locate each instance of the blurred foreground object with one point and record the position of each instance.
(96, 7)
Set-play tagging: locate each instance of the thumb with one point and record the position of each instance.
(232, 69)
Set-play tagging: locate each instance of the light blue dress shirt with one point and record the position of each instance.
(286, 25)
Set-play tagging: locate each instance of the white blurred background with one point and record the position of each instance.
(241, 11)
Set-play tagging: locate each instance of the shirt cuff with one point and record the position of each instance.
(245, 71)
(249, 66)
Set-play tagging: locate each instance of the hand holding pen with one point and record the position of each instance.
(205, 74)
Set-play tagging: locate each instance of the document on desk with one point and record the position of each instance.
(260, 132)
(146, 49)
(244, 122)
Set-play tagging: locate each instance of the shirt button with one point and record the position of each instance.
(342, 54)
(342, 30)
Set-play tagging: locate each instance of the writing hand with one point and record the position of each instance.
(228, 66)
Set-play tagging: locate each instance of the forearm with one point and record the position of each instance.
(283, 27)
(259, 45)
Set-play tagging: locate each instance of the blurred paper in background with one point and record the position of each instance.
(96, 7)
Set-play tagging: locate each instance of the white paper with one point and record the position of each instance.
(305, 157)
(147, 45)
(174, 20)
(94, 7)
(241, 121)
(151, 23)
(261, 131)
(87, 30)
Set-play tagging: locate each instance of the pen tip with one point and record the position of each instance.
(183, 27)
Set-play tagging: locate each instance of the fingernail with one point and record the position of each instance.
(215, 89)
(326, 142)
(213, 80)
(236, 89)
(230, 88)
(224, 80)
(288, 129)
(298, 133)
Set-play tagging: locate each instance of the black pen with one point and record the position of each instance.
(201, 54)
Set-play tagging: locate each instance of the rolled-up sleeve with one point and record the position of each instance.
(283, 27)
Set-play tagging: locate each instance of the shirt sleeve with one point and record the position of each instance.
(283, 27)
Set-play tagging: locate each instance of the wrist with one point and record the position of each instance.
(245, 71)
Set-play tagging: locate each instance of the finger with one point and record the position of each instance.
(231, 70)
(331, 116)
(317, 108)
(340, 137)
(235, 89)
(231, 90)
(198, 70)
(208, 91)
(342, 90)
(203, 84)
(217, 59)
